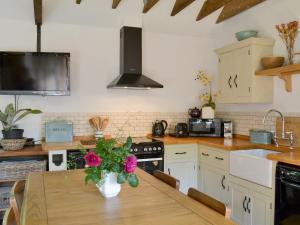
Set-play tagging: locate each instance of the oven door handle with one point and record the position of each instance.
(290, 184)
(149, 160)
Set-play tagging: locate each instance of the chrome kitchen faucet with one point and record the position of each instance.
(284, 135)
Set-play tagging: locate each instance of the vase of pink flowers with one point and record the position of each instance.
(110, 165)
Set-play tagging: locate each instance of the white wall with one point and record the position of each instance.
(169, 59)
(263, 18)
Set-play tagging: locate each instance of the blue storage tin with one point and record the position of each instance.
(260, 137)
(59, 131)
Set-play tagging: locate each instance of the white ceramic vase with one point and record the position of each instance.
(208, 112)
(109, 187)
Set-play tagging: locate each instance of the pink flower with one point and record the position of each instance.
(130, 164)
(92, 159)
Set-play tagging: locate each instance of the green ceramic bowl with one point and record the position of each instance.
(242, 35)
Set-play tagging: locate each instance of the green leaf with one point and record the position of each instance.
(27, 112)
(128, 143)
(133, 180)
(88, 178)
(121, 179)
(9, 110)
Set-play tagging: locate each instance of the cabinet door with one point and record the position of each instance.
(226, 74)
(185, 172)
(259, 207)
(242, 77)
(238, 204)
(214, 183)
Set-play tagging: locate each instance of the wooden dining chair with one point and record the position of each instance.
(9, 217)
(172, 181)
(209, 202)
(16, 199)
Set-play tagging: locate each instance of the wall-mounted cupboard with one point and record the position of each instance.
(238, 63)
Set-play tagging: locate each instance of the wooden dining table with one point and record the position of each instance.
(62, 198)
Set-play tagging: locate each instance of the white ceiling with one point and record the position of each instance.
(158, 19)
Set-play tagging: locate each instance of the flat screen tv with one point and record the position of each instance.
(34, 73)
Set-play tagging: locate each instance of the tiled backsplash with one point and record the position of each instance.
(139, 124)
(121, 124)
(244, 121)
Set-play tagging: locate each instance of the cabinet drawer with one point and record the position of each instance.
(215, 157)
(181, 152)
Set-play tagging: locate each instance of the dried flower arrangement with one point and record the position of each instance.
(288, 33)
(208, 98)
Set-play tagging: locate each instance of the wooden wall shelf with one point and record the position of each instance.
(285, 73)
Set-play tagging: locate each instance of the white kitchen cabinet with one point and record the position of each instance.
(181, 162)
(237, 65)
(249, 206)
(214, 182)
(213, 173)
(185, 172)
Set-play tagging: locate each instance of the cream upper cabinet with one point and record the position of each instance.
(237, 65)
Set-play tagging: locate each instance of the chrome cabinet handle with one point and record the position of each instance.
(204, 154)
(169, 171)
(219, 158)
(180, 153)
(244, 207)
(222, 183)
(249, 200)
(235, 78)
(229, 82)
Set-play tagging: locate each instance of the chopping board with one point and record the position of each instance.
(291, 124)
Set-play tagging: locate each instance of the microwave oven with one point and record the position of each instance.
(206, 127)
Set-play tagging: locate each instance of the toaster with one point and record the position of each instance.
(181, 130)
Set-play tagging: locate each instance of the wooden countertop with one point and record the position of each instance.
(53, 198)
(286, 157)
(25, 152)
(238, 142)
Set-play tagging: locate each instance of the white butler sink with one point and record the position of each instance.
(252, 165)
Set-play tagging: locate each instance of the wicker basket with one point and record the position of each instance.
(19, 170)
(13, 144)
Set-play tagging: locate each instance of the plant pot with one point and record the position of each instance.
(13, 134)
(109, 187)
(208, 112)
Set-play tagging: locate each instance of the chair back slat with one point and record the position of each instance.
(9, 217)
(209, 202)
(172, 181)
(16, 199)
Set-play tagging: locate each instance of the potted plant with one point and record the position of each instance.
(110, 165)
(208, 98)
(9, 119)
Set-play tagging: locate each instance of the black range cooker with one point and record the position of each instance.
(149, 153)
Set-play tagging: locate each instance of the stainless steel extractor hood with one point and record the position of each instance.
(131, 62)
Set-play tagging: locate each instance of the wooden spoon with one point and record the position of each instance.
(104, 124)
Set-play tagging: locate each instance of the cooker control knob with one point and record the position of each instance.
(145, 149)
(131, 150)
(135, 150)
(150, 149)
(154, 148)
(159, 148)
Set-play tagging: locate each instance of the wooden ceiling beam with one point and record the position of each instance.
(235, 7)
(78, 1)
(210, 6)
(148, 4)
(38, 11)
(180, 5)
(115, 3)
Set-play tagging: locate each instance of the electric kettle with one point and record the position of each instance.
(159, 127)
